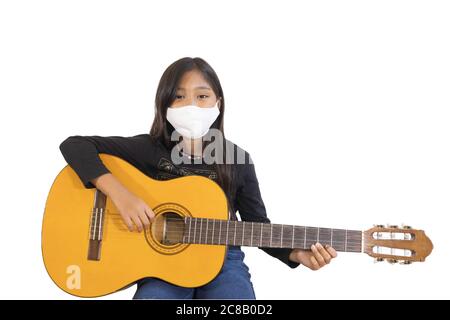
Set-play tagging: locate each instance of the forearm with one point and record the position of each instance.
(109, 185)
(282, 254)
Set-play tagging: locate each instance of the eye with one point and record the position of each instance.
(203, 96)
(178, 97)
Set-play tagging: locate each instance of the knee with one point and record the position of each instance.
(153, 288)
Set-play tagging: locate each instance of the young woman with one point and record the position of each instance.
(189, 102)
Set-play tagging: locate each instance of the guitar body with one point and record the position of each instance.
(88, 251)
(122, 257)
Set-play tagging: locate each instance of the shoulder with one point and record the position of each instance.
(145, 139)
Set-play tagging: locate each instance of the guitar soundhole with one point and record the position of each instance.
(167, 231)
(168, 228)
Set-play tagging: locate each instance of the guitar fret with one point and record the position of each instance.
(293, 231)
(228, 224)
(189, 236)
(281, 240)
(331, 237)
(271, 229)
(184, 234)
(212, 237)
(260, 240)
(206, 235)
(251, 239)
(220, 232)
(243, 227)
(304, 242)
(234, 240)
(318, 234)
(195, 228)
(345, 243)
(200, 233)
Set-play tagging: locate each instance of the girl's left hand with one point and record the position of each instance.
(315, 259)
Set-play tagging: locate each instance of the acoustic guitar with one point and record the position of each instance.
(88, 251)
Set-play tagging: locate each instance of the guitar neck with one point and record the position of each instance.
(266, 235)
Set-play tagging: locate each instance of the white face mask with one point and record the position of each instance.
(191, 121)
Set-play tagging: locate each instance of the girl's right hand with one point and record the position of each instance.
(136, 214)
(134, 211)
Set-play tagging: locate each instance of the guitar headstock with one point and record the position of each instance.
(397, 244)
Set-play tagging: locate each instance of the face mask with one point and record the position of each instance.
(191, 121)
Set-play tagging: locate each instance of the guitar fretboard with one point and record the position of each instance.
(256, 234)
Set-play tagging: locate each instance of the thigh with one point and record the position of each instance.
(233, 282)
(153, 288)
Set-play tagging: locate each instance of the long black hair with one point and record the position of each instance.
(166, 94)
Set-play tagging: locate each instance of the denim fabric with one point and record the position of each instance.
(233, 282)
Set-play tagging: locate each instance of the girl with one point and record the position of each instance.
(189, 103)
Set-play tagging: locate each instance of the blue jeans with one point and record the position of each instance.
(233, 282)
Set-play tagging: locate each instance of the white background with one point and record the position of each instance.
(343, 105)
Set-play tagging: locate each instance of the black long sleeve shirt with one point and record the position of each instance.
(154, 159)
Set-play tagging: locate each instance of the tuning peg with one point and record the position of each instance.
(378, 260)
(392, 261)
(406, 227)
(378, 225)
(392, 226)
(406, 262)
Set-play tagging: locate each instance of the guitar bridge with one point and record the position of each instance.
(96, 226)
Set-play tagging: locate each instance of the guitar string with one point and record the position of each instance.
(355, 247)
(275, 238)
(248, 224)
(349, 244)
(300, 234)
(349, 247)
(275, 234)
(352, 244)
(338, 243)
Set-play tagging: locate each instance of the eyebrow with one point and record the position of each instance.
(201, 87)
